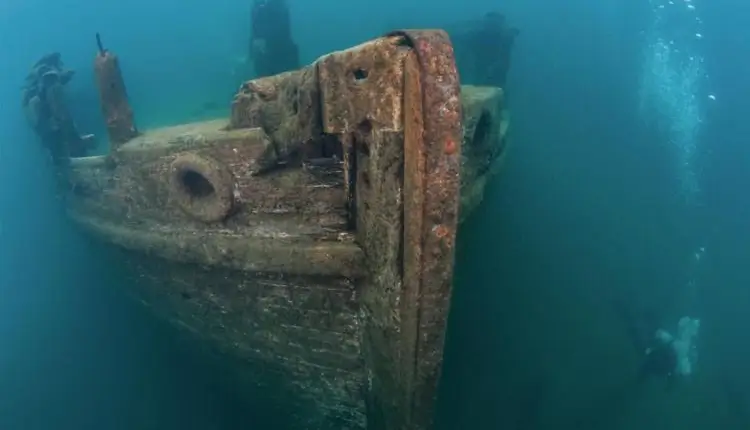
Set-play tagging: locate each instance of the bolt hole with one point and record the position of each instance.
(360, 74)
(196, 185)
(365, 127)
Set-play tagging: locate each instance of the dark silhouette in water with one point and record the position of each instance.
(46, 107)
(495, 40)
(659, 361)
(272, 48)
(100, 45)
(658, 356)
(483, 48)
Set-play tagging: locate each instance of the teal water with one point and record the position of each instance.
(589, 214)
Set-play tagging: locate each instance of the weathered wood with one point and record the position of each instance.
(114, 99)
(296, 338)
(434, 192)
(362, 92)
(311, 235)
(485, 140)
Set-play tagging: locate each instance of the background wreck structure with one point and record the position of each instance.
(483, 49)
(272, 49)
(311, 235)
(46, 109)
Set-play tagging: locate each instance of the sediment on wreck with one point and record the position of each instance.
(259, 265)
(374, 102)
(311, 236)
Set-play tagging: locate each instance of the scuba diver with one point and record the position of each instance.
(664, 359)
(659, 360)
(662, 355)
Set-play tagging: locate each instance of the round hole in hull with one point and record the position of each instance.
(202, 187)
(196, 185)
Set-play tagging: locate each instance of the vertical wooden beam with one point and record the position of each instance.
(413, 208)
(432, 164)
(113, 97)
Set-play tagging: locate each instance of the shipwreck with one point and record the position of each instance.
(310, 235)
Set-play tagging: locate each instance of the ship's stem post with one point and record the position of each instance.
(113, 96)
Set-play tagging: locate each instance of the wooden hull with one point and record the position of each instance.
(311, 235)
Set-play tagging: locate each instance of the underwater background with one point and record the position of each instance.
(622, 194)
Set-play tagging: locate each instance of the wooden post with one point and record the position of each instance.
(272, 48)
(114, 99)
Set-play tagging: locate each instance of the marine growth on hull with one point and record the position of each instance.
(310, 235)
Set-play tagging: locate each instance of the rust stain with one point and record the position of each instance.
(437, 185)
(441, 231)
(450, 146)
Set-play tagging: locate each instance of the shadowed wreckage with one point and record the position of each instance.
(310, 236)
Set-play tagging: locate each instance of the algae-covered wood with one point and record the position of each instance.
(310, 235)
(485, 140)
